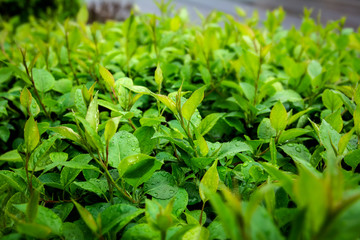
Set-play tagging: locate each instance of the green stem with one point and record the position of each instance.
(29, 180)
(201, 213)
(163, 235)
(31, 77)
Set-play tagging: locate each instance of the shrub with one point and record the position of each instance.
(155, 128)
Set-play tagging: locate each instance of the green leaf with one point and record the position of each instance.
(45, 217)
(227, 216)
(116, 217)
(181, 199)
(265, 130)
(71, 231)
(63, 86)
(347, 102)
(121, 145)
(107, 76)
(34, 108)
(251, 62)
(285, 179)
(248, 90)
(33, 229)
(198, 233)
(91, 133)
(335, 120)
(13, 179)
(299, 153)
(311, 194)
(44, 81)
(32, 206)
(344, 140)
(67, 133)
(25, 98)
(217, 231)
(68, 174)
(357, 120)
(161, 185)
(158, 76)
(352, 158)
(192, 103)
(278, 117)
(331, 100)
(83, 15)
(209, 122)
(141, 231)
(201, 143)
(144, 135)
(11, 156)
(263, 226)
(346, 225)
(209, 183)
(357, 96)
(292, 133)
(167, 102)
(94, 185)
(92, 115)
(314, 69)
(5, 74)
(31, 134)
(201, 162)
(4, 133)
(110, 130)
(230, 149)
(329, 137)
(192, 217)
(39, 158)
(296, 116)
(80, 102)
(138, 168)
(87, 217)
(58, 156)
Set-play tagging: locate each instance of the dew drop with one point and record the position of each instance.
(298, 149)
(290, 144)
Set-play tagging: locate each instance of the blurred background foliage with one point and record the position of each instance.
(21, 10)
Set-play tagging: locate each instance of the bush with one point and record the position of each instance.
(155, 128)
(38, 8)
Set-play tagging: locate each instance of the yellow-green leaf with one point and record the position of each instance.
(357, 120)
(33, 229)
(201, 143)
(278, 117)
(167, 102)
(107, 76)
(32, 136)
(331, 100)
(87, 217)
(92, 115)
(158, 76)
(110, 130)
(192, 103)
(344, 140)
(26, 98)
(210, 181)
(68, 133)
